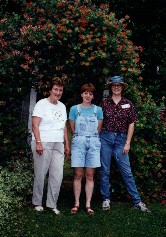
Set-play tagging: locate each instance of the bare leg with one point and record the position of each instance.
(89, 186)
(78, 173)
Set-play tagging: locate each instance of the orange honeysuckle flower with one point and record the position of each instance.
(119, 48)
(30, 4)
(104, 42)
(85, 42)
(84, 10)
(41, 27)
(70, 7)
(3, 20)
(76, 29)
(60, 27)
(81, 28)
(63, 21)
(24, 66)
(127, 17)
(136, 60)
(116, 25)
(48, 24)
(97, 40)
(59, 4)
(89, 39)
(40, 10)
(60, 36)
(123, 69)
(82, 37)
(140, 48)
(103, 54)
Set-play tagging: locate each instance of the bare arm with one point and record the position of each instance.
(72, 125)
(67, 148)
(129, 137)
(35, 128)
(100, 122)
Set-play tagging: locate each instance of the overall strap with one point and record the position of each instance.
(78, 109)
(95, 110)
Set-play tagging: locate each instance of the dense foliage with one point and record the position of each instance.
(79, 42)
(15, 186)
(148, 28)
(147, 23)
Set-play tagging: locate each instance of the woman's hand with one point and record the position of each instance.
(126, 148)
(67, 149)
(39, 149)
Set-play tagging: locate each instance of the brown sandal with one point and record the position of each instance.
(75, 209)
(90, 211)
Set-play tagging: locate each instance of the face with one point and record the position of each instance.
(56, 92)
(87, 96)
(116, 88)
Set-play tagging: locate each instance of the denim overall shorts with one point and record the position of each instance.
(85, 148)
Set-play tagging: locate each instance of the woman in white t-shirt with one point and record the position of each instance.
(49, 132)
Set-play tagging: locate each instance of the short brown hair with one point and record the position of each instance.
(55, 81)
(88, 87)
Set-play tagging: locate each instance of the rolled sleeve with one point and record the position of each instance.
(132, 117)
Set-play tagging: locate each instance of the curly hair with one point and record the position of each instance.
(55, 81)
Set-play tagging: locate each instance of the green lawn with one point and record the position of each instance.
(120, 221)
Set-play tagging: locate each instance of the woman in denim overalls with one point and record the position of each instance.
(85, 121)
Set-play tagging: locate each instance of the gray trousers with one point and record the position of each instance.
(51, 161)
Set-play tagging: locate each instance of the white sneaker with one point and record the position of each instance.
(141, 206)
(56, 211)
(39, 208)
(106, 205)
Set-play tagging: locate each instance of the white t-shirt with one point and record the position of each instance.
(53, 120)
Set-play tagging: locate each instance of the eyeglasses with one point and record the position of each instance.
(116, 85)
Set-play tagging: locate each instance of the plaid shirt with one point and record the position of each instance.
(118, 117)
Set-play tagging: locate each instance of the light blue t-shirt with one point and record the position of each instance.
(73, 114)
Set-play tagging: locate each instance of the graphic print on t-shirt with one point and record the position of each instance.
(58, 115)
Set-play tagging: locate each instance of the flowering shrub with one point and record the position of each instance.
(79, 42)
(68, 37)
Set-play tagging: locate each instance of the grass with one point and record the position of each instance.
(120, 221)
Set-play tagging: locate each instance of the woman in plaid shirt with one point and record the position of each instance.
(116, 134)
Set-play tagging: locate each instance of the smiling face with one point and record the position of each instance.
(87, 96)
(87, 93)
(56, 92)
(117, 88)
